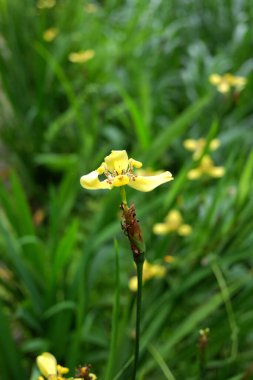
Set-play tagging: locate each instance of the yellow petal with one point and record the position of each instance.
(91, 182)
(93, 376)
(217, 171)
(62, 370)
(117, 160)
(161, 229)
(184, 230)
(81, 56)
(206, 163)
(239, 82)
(120, 180)
(132, 284)
(190, 144)
(194, 174)
(135, 164)
(148, 183)
(229, 78)
(223, 87)
(174, 218)
(214, 144)
(47, 364)
(215, 79)
(157, 270)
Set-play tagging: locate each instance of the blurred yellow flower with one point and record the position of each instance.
(172, 223)
(50, 34)
(226, 82)
(206, 167)
(149, 271)
(118, 171)
(81, 56)
(198, 146)
(90, 8)
(44, 4)
(49, 368)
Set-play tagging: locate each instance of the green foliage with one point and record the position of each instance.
(145, 90)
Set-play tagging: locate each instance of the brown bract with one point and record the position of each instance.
(132, 230)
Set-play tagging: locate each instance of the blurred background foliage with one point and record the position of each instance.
(78, 79)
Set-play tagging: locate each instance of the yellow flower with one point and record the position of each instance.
(226, 82)
(81, 56)
(149, 271)
(118, 171)
(207, 167)
(172, 223)
(50, 34)
(90, 8)
(43, 4)
(198, 146)
(49, 368)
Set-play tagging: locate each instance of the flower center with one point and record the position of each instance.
(118, 177)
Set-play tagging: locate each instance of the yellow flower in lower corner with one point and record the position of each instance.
(206, 167)
(49, 368)
(198, 146)
(118, 170)
(149, 271)
(81, 56)
(226, 82)
(172, 223)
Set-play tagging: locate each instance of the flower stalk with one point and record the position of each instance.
(139, 266)
(117, 170)
(132, 229)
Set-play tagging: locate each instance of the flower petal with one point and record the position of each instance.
(174, 219)
(81, 56)
(47, 364)
(91, 182)
(184, 230)
(215, 79)
(190, 144)
(117, 160)
(134, 163)
(120, 180)
(214, 144)
(161, 229)
(217, 171)
(148, 183)
(132, 284)
(194, 174)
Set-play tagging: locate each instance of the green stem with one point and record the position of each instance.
(123, 195)
(139, 266)
(202, 364)
(115, 319)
